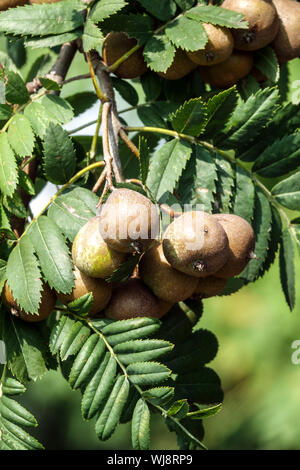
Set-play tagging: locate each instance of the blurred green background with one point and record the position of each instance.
(255, 331)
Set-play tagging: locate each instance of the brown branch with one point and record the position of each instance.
(99, 182)
(129, 143)
(105, 141)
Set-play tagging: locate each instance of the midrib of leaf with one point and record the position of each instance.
(26, 280)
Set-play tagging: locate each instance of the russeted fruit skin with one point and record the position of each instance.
(196, 244)
(129, 221)
(209, 287)
(132, 299)
(166, 283)
(47, 303)
(287, 41)
(180, 67)
(262, 19)
(84, 284)
(5, 4)
(241, 239)
(91, 254)
(229, 72)
(115, 45)
(218, 48)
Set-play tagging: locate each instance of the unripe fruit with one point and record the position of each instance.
(241, 239)
(84, 284)
(209, 287)
(129, 221)
(287, 41)
(92, 255)
(166, 283)
(5, 4)
(47, 303)
(218, 48)
(132, 299)
(115, 45)
(180, 67)
(263, 23)
(229, 72)
(196, 244)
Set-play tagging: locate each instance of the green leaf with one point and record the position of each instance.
(159, 395)
(190, 118)
(201, 387)
(105, 8)
(5, 112)
(57, 108)
(205, 412)
(219, 108)
(80, 102)
(166, 167)
(152, 86)
(139, 26)
(187, 34)
(144, 159)
(185, 4)
(224, 184)
(26, 183)
(14, 204)
(40, 20)
(8, 167)
(127, 91)
(133, 328)
(53, 254)
(159, 53)
(12, 387)
(82, 305)
(53, 40)
(243, 204)
(287, 268)
(38, 117)
(295, 229)
(59, 332)
(16, 91)
(20, 135)
(141, 350)
(150, 116)
(23, 276)
(59, 155)
(287, 192)
(219, 16)
(147, 373)
(49, 84)
(140, 427)
(87, 360)
(92, 36)
(266, 61)
(39, 66)
(178, 409)
(15, 438)
(161, 9)
(123, 272)
(74, 340)
(15, 413)
(16, 51)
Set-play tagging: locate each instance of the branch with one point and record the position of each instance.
(129, 143)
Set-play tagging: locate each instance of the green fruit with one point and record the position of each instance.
(115, 45)
(209, 287)
(241, 240)
(287, 41)
(84, 284)
(166, 283)
(196, 244)
(91, 254)
(229, 72)
(47, 303)
(218, 48)
(129, 222)
(263, 23)
(5, 4)
(132, 299)
(180, 67)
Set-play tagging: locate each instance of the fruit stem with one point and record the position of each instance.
(92, 152)
(98, 91)
(122, 59)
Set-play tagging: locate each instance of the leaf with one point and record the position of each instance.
(201, 387)
(92, 36)
(287, 268)
(59, 155)
(39, 66)
(57, 108)
(166, 167)
(178, 409)
(26, 183)
(105, 8)
(40, 20)
(74, 340)
(20, 135)
(144, 159)
(16, 51)
(15, 413)
(15, 438)
(87, 360)
(152, 86)
(23, 276)
(123, 272)
(243, 204)
(16, 91)
(219, 16)
(82, 305)
(295, 229)
(8, 167)
(190, 118)
(80, 102)
(147, 373)
(266, 61)
(219, 108)
(59, 332)
(287, 192)
(38, 117)
(139, 26)
(161, 9)
(53, 40)
(127, 91)
(126, 330)
(205, 412)
(140, 427)
(185, 4)
(186, 34)
(150, 116)
(12, 387)
(141, 350)
(5, 112)
(14, 205)
(49, 84)
(159, 53)
(225, 184)
(53, 254)
(159, 395)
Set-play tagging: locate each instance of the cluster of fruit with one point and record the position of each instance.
(228, 54)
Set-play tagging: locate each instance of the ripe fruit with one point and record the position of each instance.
(91, 254)
(229, 72)
(218, 48)
(166, 283)
(5, 4)
(47, 303)
(262, 19)
(209, 287)
(241, 239)
(164, 307)
(84, 284)
(132, 299)
(115, 46)
(196, 244)
(180, 67)
(129, 222)
(287, 41)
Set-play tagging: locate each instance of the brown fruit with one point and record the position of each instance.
(218, 48)
(129, 221)
(47, 303)
(196, 244)
(166, 283)
(287, 41)
(209, 287)
(180, 67)
(164, 307)
(84, 284)
(263, 23)
(5, 4)
(115, 45)
(229, 72)
(91, 254)
(132, 299)
(241, 239)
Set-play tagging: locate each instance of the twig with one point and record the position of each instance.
(98, 91)
(105, 143)
(129, 143)
(99, 182)
(77, 77)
